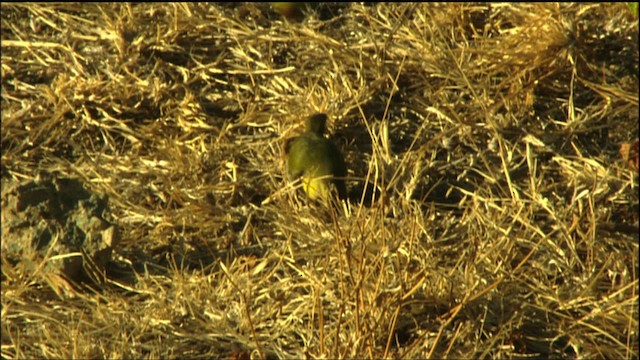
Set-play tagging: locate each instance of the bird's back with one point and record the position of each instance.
(313, 156)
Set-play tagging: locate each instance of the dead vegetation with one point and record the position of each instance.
(506, 225)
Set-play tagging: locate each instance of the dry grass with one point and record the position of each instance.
(507, 226)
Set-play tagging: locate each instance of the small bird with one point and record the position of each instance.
(317, 159)
(290, 10)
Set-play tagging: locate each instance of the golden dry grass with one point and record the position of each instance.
(507, 224)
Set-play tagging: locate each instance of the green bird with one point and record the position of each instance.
(317, 159)
(290, 10)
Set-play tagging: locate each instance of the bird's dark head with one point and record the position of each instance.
(316, 123)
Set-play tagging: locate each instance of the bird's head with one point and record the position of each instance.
(316, 123)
